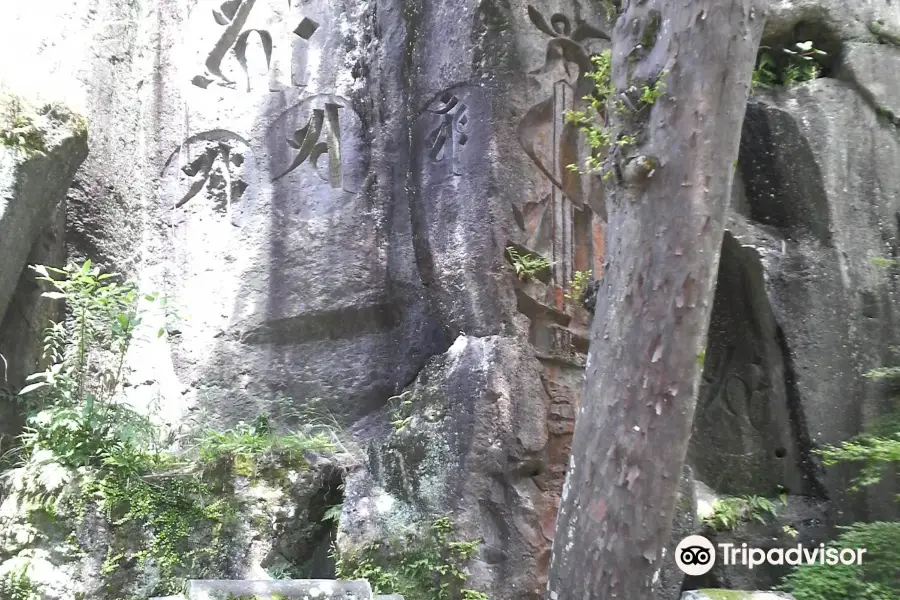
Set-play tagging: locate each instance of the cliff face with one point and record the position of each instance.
(41, 149)
(325, 191)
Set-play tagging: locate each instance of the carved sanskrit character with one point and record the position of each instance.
(220, 147)
(450, 131)
(306, 142)
(237, 34)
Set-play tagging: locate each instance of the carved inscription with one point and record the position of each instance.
(306, 141)
(451, 131)
(248, 27)
(322, 137)
(448, 141)
(211, 160)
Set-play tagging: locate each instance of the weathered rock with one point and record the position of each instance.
(33, 189)
(817, 205)
(33, 183)
(717, 594)
(809, 19)
(745, 438)
(472, 447)
(864, 66)
(324, 191)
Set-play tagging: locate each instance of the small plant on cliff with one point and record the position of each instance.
(19, 126)
(16, 585)
(577, 285)
(427, 566)
(730, 512)
(651, 93)
(74, 407)
(246, 444)
(592, 120)
(795, 65)
(527, 266)
(401, 409)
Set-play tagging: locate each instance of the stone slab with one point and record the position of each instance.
(734, 595)
(287, 589)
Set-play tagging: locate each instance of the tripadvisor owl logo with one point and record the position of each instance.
(695, 555)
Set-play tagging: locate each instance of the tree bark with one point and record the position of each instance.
(667, 198)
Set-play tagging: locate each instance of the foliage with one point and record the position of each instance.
(577, 285)
(651, 93)
(429, 566)
(877, 449)
(16, 585)
(20, 126)
(527, 266)
(877, 578)
(245, 444)
(401, 407)
(86, 450)
(73, 406)
(795, 66)
(593, 121)
(730, 512)
(333, 513)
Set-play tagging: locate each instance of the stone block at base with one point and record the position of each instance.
(282, 589)
(734, 595)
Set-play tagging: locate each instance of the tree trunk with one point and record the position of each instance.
(668, 193)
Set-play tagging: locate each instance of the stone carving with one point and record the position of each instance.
(445, 128)
(450, 131)
(556, 222)
(739, 394)
(213, 160)
(304, 31)
(306, 142)
(319, 125)
(240, 35)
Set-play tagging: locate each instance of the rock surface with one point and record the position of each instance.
(327, 190)
(33, 182)
(33, 186)
(816, 230)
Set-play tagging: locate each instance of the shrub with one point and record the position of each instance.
(876, 578)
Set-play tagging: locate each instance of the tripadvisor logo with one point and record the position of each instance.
(695, 555)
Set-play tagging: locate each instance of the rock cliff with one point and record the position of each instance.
(326, 192)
